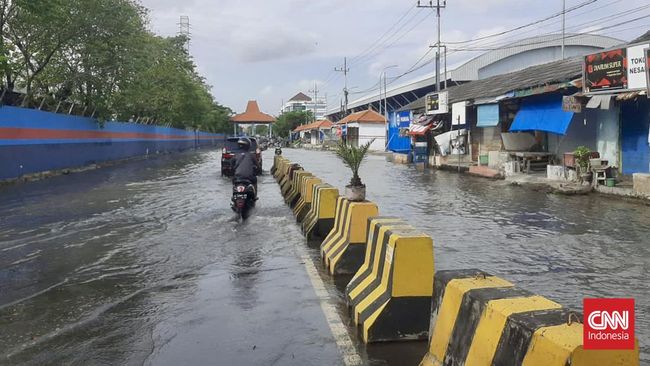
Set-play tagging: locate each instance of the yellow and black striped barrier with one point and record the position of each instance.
(369, 274)
(287, 182)
(283, 172)
(304, 203)
(320, 218)
(296, 184)
(481, 319)
(344, 248)
(280, 167)
(396, 305)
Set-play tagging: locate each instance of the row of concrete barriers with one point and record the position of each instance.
(469, 317)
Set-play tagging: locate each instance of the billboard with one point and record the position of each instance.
(436, 103)
(636, 69)
(458, 113)
(606, 71)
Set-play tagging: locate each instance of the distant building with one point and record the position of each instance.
(302, 102)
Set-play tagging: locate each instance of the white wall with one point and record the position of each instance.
(368, 131)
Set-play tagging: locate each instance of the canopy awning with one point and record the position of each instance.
(600, 101)
(542, 114)
(488, 115)
(419, 130)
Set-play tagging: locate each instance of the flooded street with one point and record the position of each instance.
(142, 264)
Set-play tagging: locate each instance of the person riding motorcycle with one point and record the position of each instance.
(246, 163)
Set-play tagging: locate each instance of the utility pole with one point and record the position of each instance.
(563, 24)
(437, 6)
(345, 71)
(184, 30)
(315, 91)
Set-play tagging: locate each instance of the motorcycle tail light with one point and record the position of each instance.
(241, 189)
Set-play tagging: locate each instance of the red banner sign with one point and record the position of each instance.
(606, 70)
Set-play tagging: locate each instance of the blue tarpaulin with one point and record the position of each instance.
(542, 114)
(488, 115)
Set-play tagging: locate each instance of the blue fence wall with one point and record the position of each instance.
(33, 141)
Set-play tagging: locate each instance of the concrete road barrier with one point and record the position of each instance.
(320, 218)
(304, 203)
(478, 318)
(399, 306)
(286, 182)
(369, 274)
(296, 184)
(280, 167)
(283, 171)
(344, 249)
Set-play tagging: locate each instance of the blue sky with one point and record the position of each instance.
(270, 50)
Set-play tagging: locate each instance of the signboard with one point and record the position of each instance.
(436, 103)
(647, 74)
(636, 67)
(458, 113)
(571, 104)
(404, 119)
(606, 71)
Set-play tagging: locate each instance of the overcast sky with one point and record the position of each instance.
(270, 50)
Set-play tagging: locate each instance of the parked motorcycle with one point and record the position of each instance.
(244, 195)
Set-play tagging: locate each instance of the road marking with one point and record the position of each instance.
(349, 352)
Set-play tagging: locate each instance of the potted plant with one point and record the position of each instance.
(352, 157)
(582, 155)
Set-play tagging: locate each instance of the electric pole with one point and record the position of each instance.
(315, 91)
(345, 71)
(438, 44)
(563, 24)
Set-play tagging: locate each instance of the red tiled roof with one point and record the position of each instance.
(314, 125)
(300, 97)
(367, 116)
(252, 115)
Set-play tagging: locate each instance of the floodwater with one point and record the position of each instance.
(142, 264)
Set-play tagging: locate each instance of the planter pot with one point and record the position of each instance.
(355, 193)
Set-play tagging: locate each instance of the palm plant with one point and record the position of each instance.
(352, 157)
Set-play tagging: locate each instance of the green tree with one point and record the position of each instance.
(289, 121)
(99, 54)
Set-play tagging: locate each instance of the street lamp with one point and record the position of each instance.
(385, 101)
(383, 72)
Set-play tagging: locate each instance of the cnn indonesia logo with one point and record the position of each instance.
(608, 324)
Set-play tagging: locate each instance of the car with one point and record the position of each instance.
(230, 151)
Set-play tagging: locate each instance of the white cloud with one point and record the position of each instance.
(266, 90)
(273, 49)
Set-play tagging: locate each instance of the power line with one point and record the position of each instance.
(581, 5)
(411, 8)
(519, 34)
(551, 40)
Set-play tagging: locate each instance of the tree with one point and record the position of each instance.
(98, 54)
(288, 121)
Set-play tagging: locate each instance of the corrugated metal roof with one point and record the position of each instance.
(469, 70)
(545, 74)
(642, 38)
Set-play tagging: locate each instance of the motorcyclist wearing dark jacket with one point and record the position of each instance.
(246, 164)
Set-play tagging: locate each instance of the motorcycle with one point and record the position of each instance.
(244, 196)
